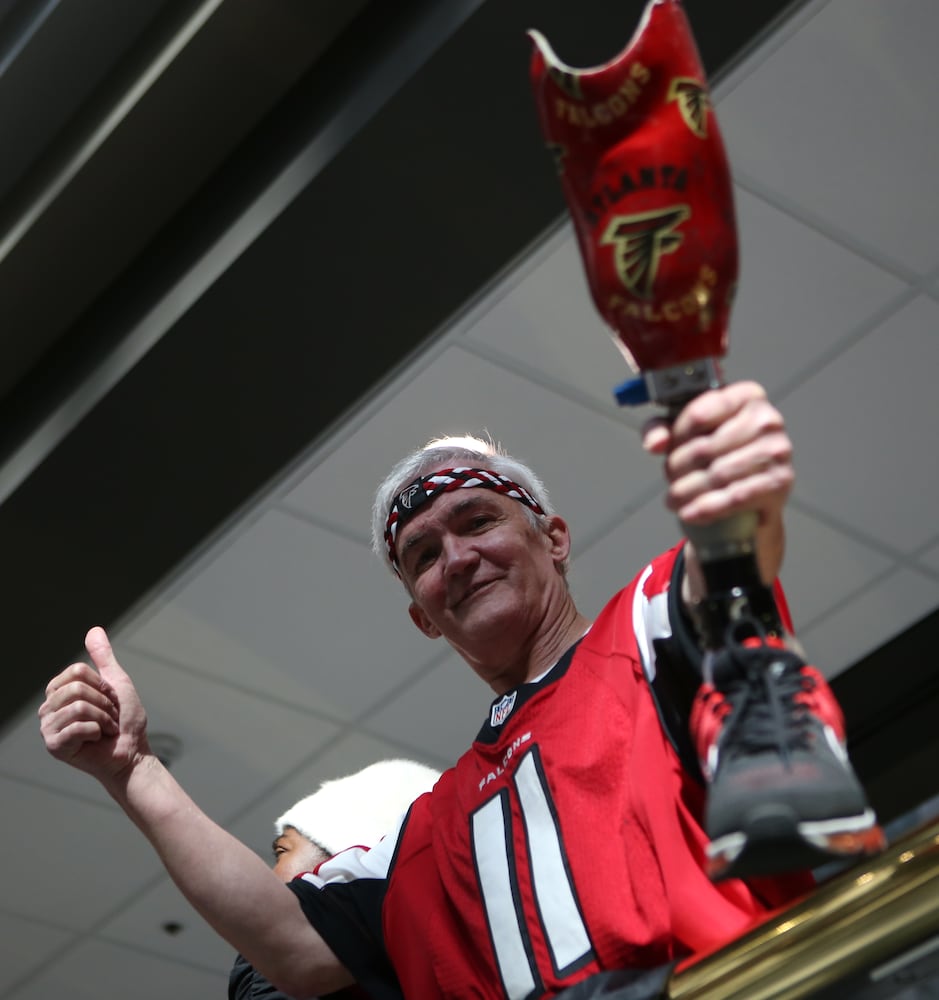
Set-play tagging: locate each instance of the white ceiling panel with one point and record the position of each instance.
(27, 945)
(312, 646)
(849, 567)
(543, 319)
(839, 118)
(567, 443)
(930, 557)
(87, 885)
(233, 744)
(97, 970)
(801, 296)
(618, 555)
(868, 620)
(892, 369)
(161, 921)
(441, 713)
(23, 757)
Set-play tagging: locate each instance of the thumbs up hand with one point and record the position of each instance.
(92, 717)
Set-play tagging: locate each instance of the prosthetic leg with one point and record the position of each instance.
(646, 180)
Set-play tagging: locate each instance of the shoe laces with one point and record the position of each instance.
(762, 684)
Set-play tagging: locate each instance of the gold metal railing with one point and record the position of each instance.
(850, 925)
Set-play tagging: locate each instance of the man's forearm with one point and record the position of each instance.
(228, 884)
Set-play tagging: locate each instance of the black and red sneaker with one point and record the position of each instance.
(770, 738)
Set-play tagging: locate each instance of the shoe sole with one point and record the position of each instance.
(774, 841)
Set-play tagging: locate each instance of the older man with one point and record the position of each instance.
(567, 843)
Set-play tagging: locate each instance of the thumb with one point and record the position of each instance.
(656, 435)
(102, 655)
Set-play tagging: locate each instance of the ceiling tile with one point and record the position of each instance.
(869, 620)
(930, 557)
(823, 567)
(800, 295)
(142, 925)
(233, 743)
(612, 561)
(852, 463)
(440, 714)
(837, 119)
(26, 946)
(98, 970)
(113, 862)
(311, 646)
(23, 756)
(543, 317)
(458, 393)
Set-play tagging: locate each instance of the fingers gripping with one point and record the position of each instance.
(726, 451)
(713, 409)
(712, 419)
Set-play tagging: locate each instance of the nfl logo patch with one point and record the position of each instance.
(502, 709)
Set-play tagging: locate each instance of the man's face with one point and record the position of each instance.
(476, 566)
(295, 854)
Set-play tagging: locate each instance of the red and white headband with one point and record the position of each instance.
(406, 503)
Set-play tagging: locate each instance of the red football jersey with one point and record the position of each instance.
(566, 840)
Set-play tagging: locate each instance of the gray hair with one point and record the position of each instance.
(439, 453)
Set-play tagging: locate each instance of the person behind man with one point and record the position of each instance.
(567, 843)
(344, 812)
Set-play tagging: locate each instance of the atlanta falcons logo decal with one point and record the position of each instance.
(694, 103)
(406, 497)
(639, 241)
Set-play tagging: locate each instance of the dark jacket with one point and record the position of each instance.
(246, 983)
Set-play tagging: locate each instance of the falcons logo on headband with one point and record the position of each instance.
(406, 497)
(694, 102)
(639, 241)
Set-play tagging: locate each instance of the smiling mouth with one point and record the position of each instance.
(472, 592)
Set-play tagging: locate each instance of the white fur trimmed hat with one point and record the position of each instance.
(361, 808)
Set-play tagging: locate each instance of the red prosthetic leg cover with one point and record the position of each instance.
(645, 176)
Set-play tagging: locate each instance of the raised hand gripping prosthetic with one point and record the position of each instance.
(645, 175)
